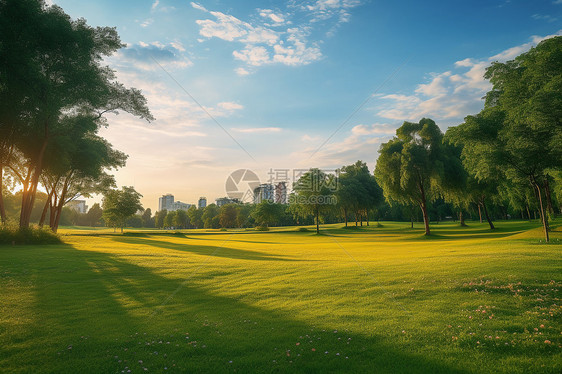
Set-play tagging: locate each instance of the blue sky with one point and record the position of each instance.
(282, 76)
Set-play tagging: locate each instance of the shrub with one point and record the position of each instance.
(262, 228)
(11, 234)
(302, 229)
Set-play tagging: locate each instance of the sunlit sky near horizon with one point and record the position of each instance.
(282, 76)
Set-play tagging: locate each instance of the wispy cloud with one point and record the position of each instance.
(257, 130)
(543, 17)
(272, 38)
(143, 56)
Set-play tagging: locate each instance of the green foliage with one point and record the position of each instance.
(195, 217)
(119, 205)
(314, 195)
(267, 213)
(411, 166)
(228, 215)
(12, 234)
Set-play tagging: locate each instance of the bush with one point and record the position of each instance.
(302, 229)
(262, 228)
(13, 235)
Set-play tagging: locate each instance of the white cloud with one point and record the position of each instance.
(155, 5)
(252, 55)
(543, 17)
(265, 41)
(257, 129)
(278, 19)
(451, 95)
(199, 7)
(147, 22)
(241, 71)
(229, 105)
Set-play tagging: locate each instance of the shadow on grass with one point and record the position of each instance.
(107, 315)
(204, 250)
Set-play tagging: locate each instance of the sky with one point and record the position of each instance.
(281, 86)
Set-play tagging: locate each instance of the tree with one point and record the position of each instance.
(77, 168)
(147, 219)
(119, 205)
(159, 218)
(267, 213)
(227, 215)
(357, 191)
(52, 73)
(314, 195)
(410, 167)
(94, 215)
(169, 219)
(210, 217)
(195, 216)
(527, 94)
(181, 220)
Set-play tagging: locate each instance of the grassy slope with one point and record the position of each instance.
(371, 299)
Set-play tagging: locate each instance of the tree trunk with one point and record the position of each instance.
(367, 216)
(44, 212)
(547, 195)
(423, 206)
(411, 221)
(487, 215)
(541, 209)
(2, 208)
(28, 196)
(461, 218)
(479, 212)
(345, 215)
(317, 221)
(528, 212)
(361, 218)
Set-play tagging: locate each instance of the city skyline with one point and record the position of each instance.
(295, 85)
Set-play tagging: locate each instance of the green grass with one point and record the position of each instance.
(372, 299)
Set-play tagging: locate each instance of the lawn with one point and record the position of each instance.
(371, 299)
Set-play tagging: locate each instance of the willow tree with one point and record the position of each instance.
(51, 66)
(518, 134)
(410, 166)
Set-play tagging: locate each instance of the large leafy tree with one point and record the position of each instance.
(518, 134)
(357, 191)
(267, 213)
(51, 71)
(314, 195)
(120, 205)
(410, 167)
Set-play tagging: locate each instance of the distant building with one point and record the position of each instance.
(281, 193)
(225, 200)
(78, 205)
(202, 202)
(165, 202)
(178, 205)
(264, 192)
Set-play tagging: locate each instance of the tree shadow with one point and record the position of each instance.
(98, 313)
(205, 250)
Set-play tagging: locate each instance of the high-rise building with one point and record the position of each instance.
(78, 205)
(202, 202)
(264, 192)
(165, 202)
(178, 205)
(281, 193)
(225, 200)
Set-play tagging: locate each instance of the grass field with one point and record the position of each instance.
(372, 299)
